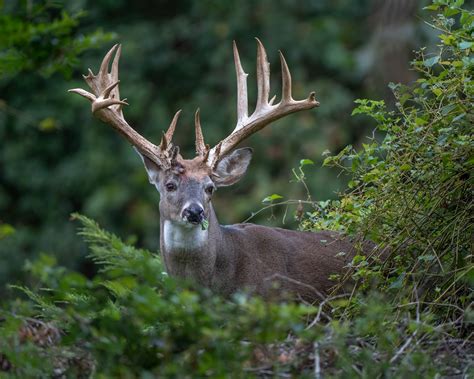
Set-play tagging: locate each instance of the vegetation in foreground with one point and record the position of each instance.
(408, 316)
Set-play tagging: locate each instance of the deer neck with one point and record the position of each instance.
(183, 239)
(189, 251)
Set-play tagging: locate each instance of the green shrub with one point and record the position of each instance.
(132, 319)
(412, 191)
(41, 36)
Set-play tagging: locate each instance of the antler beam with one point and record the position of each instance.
(107, 106)
(265, 112)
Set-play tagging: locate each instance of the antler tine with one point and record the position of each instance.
(265, 112)
(107, 106)
(165, 143)
(89, 96)
(242, 96)
(263, 77)
(114, 75)
(115, 63)
(285, 81)
(201, 148)
(108, 90)
(169, 133)
(104, 66)
(103, 76)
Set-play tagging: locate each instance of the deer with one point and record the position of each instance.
(267, 261)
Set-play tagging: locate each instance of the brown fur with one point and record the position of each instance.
(271, 262)
(194, 168)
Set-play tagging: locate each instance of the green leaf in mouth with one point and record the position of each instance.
(204, 224)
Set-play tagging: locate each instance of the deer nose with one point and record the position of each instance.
(193, 213)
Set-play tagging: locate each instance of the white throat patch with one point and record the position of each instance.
(177, 236)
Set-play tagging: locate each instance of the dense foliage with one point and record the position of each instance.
(133, 320)
(39, 43)
(413, 190)
(409, 315)
(42, 37)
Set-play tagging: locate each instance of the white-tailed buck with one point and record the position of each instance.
(193, 244)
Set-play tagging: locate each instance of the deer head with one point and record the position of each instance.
(186, 185)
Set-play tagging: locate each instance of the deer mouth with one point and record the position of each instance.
(194, 219)
(193, 214)
(195, 222)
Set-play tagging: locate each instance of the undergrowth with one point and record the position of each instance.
(132, 320)
(412, 192)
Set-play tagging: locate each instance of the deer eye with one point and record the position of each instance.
(170, 187)
(210, 189)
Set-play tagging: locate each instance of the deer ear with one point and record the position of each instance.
(232, 167)
(152, 169)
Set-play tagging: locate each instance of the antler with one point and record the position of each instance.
(265, 112)
(107, 106)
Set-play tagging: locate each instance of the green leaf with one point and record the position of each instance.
(437, 92)
(204, 224)
(327, 161)
(405, 167)
(6, 230)
(459, 117)
(430, 62)
(465, 45)
(420, 121)
(270, 198)
(466, 17)
(447, 108)
(448, 12)
(48, 124)
(398, 283)
(305, 162)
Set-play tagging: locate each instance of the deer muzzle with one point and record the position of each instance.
(193, 213)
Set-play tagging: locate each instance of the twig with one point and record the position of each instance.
(266, 370)
(320, 309)
(272, 205)
(297, 282)
(317, 361)
(402, 349)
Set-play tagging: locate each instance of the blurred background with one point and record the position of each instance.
(55, 158)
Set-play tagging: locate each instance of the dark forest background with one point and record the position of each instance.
(55, 158)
